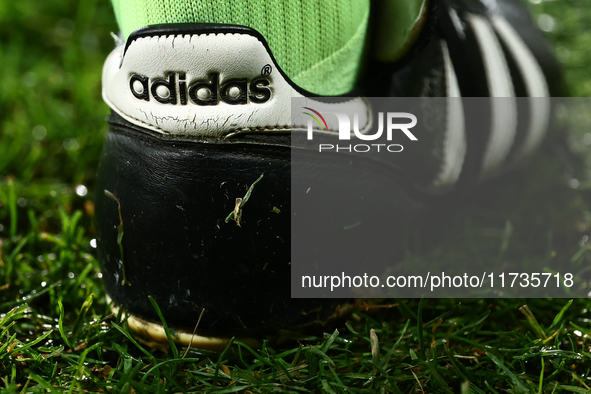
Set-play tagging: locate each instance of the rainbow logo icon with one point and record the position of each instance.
(325, 127)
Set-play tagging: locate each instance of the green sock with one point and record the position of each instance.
(398, 24)
(319, 44)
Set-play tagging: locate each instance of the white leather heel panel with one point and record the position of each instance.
(202, 58)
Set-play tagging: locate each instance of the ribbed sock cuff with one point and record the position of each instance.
(319, 44)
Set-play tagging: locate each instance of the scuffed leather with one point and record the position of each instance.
(232, 54)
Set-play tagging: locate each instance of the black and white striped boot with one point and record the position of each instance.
(478, 48)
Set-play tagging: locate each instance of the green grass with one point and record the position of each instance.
(57, 333)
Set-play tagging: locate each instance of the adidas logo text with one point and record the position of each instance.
(201, 92)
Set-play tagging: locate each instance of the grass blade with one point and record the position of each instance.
(61, 324)
(167, 330)
(518, 384)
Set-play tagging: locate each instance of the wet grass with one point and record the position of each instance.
(57, 333)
